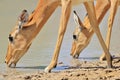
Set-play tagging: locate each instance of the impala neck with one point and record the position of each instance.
(43, 11)
(100, 12)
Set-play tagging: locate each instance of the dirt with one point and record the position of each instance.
(85, 70)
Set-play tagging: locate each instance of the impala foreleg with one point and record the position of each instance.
(113, 10)
(93, 21)
(66, 8)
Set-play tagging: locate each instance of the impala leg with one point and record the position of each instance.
(66, 8)
(93, 21)
(113, 10)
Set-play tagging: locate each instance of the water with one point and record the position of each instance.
(41, 51)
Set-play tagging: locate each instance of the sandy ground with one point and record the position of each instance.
(83, 70)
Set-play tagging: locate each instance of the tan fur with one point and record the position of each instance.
(113, 10)
(101, 8)
(21, 43)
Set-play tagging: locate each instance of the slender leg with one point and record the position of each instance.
(66, 8)
(93, 21)
(113, 10)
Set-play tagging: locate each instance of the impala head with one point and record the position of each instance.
(80, 37)
(18, 44)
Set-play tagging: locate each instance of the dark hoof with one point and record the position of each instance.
(76, 56)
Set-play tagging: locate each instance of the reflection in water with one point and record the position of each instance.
(40, 53)
(31, 67)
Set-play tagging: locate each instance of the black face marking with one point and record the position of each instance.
(19, 26)
(74, 37)
(10, 38)
(86, 14)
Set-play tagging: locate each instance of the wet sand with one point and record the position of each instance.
(84, 70)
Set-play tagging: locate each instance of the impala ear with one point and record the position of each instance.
(23, 18)
(77, 20)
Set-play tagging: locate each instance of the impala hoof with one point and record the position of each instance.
(102, 58)
(76, 56)
(47, 70)
(12, 65)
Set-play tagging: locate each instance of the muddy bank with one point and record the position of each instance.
(83, 70)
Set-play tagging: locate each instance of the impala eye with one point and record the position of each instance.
(10, 38)
(74, 37)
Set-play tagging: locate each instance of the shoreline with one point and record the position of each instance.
(84, 70)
